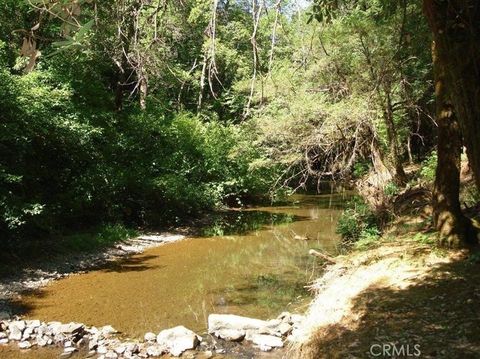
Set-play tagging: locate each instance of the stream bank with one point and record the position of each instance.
(402, 294)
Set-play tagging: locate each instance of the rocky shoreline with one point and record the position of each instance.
(106, 343)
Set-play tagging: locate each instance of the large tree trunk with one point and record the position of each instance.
(456, 30)
(451, 224)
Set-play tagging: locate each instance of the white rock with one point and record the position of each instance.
(231, 335)
(69, 350)
(284, 328)
(67, 344)
(3, 335)
(33, 323)
(71, 328)
(41, 341)
(3, 341)
(218, 322)
(266, 341)
(178, 339)
(102, 349)
(150, 337)
(16, 329)
(111, 355)
(24, 345)
(155, 350)
(120, 349)
(108, 330)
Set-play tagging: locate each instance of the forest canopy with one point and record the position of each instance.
(148, 112)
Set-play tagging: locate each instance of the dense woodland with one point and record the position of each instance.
(151, 112)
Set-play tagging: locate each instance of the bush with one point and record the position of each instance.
(429, 166)
(357, 221)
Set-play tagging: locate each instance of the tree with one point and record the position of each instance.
(455, 25)
(452, 225)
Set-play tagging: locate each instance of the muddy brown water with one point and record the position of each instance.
(251, 262)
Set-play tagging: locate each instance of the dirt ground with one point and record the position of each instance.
(401, 299)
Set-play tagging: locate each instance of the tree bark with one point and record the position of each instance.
(456, 30)
(452, 225)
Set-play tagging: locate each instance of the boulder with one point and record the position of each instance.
(33, 323)
(4, 315)
(177, 340)
(3, 335)
(3, 341)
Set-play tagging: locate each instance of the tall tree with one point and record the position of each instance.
(456, 30)
(451, 224)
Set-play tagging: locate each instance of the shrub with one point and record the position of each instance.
(357, 220)
(429, 166)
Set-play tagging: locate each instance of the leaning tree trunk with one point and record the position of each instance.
(448, 219)
(456, 30)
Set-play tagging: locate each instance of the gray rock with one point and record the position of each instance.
(24, 345)
(177, 340)
(150, 337)
(266, 341)
(232, 335)
(4, 315)
(217, 322)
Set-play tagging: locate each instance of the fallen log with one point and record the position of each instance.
(323, 256)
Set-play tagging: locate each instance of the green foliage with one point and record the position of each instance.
(360, 169)
(391, 189)
(425, 238)
(357, 222)
(104, 236)
(429, 166)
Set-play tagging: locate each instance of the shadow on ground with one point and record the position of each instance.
(440, 313)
